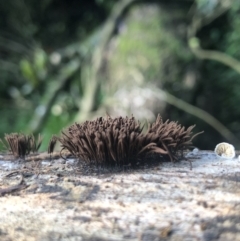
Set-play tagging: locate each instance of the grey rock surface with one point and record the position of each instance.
(168, 201)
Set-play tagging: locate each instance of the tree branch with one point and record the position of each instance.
(93, 82)
(199, 22)
(51, 95)
(214, 55)
(201, 114)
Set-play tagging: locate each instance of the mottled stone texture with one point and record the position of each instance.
(168, 201)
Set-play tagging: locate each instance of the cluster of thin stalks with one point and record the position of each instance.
(52, 143)
(21, 145)
(121, 141)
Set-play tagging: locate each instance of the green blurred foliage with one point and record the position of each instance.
(36, 71)
(148, 52)
(218, 90)
(39, 39)
(30, 33)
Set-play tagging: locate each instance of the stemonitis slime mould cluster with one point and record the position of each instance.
(121, 141)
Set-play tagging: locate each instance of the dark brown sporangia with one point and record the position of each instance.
(21, 145)
(120, 141)
(52, 144)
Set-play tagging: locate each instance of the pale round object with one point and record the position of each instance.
(195, 150)
(225, 150)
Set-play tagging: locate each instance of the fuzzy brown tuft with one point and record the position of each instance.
(171, 138)
(21, 145)
(52, 144)
(120, 141)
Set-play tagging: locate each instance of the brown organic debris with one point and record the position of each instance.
(21, 145)
(120, 141)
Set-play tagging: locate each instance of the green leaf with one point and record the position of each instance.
(40, 59)
(28, 72)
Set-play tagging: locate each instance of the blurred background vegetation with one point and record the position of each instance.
(63, 61)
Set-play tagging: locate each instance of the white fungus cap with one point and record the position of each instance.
(225, 150)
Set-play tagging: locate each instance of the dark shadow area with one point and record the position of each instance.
(214, 228)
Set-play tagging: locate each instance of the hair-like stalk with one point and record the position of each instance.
(21, 145)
